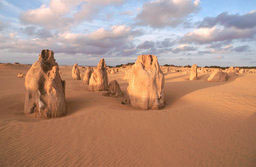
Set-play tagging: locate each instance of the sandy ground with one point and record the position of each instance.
(203, 124)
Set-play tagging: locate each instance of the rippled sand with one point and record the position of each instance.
(203, 124)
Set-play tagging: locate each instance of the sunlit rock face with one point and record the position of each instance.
(146, 83)
(193, 73)
(76, 72)
(99, 78)
(45, 90)
(218, 76)
(87, 75)
(241, 71)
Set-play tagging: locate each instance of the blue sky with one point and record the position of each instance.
(179, 32)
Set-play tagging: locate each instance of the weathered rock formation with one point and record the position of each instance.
(193, 73)
(111, 71)
(252, 71)
(20, 75)
(231, 71)
(146, 83)
(87, 75)
(164, 69)
(241, 71)
(218, 76)
(99, 78)
(76, 72)
(114, 89)
(45, 90)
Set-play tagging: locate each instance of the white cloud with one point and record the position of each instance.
(116, 31)
(52, 16)
(161, 13)
(183, 48)
(217, 33)
(63, 13)
(104, 42)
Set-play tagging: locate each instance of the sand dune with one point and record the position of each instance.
(203, 124)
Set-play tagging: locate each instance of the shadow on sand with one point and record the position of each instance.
(176, 77)
(76, 103)
(176, 90)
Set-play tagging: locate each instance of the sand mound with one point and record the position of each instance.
(218, 76)
(45, 91)
(146, 83)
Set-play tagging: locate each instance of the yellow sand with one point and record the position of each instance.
(203, 124)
